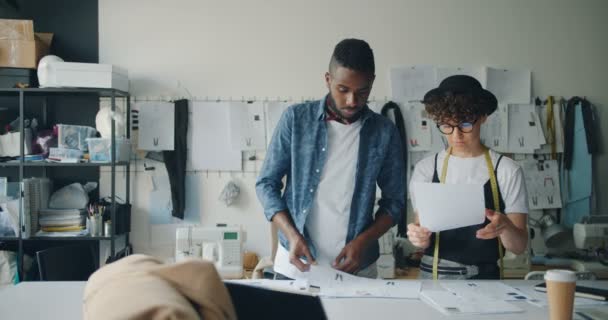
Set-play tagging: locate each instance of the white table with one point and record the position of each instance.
(63, 300)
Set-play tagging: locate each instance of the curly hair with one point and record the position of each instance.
(353, 54)
(456, 107)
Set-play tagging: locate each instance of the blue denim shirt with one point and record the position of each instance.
(298, 150)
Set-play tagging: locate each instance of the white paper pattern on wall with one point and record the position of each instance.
(156, 125)
(247, 129)
(211, 147)
(542, 184)
(412, 82)
(510, 85)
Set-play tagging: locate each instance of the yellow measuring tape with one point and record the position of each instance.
(495, 198)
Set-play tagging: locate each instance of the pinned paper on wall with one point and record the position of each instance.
(247, 129)
(156, 125)
(542, 184)
(495, 131)
(526, 135)
(211, 148)
(418, 127)
(273, 111)
(478, 73)
(510, 86)
(412, 82)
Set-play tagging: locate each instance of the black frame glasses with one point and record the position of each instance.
(464, 127)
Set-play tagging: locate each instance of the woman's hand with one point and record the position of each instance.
(498, 224)
(418, 236)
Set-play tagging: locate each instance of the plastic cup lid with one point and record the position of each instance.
(560, 275)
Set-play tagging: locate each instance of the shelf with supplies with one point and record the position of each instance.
(38, 226)
(60, 164)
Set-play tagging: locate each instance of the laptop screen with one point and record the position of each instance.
(258, 303)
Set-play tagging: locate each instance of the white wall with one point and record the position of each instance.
(281, 48)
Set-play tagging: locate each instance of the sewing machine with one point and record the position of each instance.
(591, 235)
(221, 245)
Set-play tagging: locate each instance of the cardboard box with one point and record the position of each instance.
(20, 47)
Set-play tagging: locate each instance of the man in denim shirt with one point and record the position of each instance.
(334, 152)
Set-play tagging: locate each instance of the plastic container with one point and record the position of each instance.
(100, 149)
(73, 136)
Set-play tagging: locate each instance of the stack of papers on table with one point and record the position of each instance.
(474, 297)
(331, 283)
(450, 303)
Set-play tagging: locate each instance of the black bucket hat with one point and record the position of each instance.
(460, 85)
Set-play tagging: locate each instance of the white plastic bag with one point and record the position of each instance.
(8, 267)
(229, 194)
(73, 196)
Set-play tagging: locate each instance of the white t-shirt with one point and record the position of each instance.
(509, 175)
(327, 221)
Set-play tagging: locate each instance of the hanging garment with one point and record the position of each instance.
(175, 160)
(400, 123)
(580, 144)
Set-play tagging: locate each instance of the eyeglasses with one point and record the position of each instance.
(464, 127)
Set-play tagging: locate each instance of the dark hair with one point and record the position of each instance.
(455, 107)
(353, 54)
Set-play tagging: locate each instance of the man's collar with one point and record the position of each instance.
(325, 114)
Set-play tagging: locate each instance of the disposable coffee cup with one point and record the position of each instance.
(560, 293)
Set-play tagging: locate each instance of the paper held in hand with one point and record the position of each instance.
(448, 206)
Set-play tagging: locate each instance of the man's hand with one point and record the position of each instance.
(498, 224)
(298, 248)
(418, 236)
(349, 259)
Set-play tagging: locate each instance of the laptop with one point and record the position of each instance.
(259, 303)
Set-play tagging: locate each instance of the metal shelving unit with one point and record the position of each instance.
(44, 93)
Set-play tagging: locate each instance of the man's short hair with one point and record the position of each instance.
(353, 54)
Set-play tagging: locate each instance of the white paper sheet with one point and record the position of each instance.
(451, 304)
(411, 82)
(542, 184)
(156, 125)
(539, 299)
(449, 206)
(523, 129)
(211, 147)
(392, 289)
(478, 73)
(273, 111)
(495, 131)
(490, 289)
(247, 129)
(418, 126)
(337, 284)
(510, 86)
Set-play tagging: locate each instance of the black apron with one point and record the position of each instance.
(461, 244)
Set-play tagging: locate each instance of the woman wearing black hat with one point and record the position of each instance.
(460, 106)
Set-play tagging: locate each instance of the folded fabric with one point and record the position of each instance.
(142, 287)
